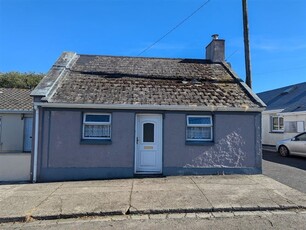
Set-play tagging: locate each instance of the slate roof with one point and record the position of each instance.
(94, 79)
(290, 98)
(12, 99)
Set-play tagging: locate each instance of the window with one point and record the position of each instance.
(301, 137)
(277, 124)
(148, 132)
(294, 126)
(97, 126)
(199, 128)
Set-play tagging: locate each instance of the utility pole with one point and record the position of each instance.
(247, 56)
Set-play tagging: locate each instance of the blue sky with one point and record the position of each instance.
(33, 33)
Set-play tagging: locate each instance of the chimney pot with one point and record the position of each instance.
(215, 36)
(215, 50)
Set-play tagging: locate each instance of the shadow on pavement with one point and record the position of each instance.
(293, 161)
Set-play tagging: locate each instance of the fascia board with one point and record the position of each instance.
(148, 107)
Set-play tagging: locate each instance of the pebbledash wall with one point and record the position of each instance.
(62, 156)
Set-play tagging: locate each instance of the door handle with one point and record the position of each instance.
(137, 140)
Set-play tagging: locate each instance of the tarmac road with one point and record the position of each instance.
(290, 170)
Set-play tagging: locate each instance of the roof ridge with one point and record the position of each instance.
(283, 88)
(138, 57)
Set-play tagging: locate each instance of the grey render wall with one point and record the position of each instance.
(236, 147)
(62, 156)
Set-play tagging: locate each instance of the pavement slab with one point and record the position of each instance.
(19, 206)
(163, 201)
(87, 203)
(166, 195)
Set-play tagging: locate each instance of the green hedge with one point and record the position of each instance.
(20, 80)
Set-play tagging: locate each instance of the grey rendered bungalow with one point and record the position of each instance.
(102, 117)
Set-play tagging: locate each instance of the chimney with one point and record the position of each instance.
(215, 49)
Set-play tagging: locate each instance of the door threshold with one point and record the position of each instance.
(150, 175)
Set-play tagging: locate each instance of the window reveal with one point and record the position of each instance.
(199, 128)
(97, 126)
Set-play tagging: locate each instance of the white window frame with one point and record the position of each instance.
(96, 123)
(200, 125)
(278, 118)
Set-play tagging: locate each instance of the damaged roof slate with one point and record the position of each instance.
(93, 79)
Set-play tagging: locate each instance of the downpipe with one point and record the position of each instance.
(36, 109)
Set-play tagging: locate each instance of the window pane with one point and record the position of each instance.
(199, 120)
(97, 118)
(302, 137)
(97, 131)
(281, 123)
(203, 133)
(148, 132)
(275, 123)
(291, 126)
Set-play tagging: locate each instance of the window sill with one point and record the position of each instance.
(277, 132)
(95, 142)
(199, 142)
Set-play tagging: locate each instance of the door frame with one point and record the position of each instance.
(137, 115)
(25, 120)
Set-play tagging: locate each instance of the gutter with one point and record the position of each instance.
(293, 113)
(36, 109)
(272, 111)
(149, 107)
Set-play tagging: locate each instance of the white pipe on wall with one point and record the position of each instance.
(36, 108)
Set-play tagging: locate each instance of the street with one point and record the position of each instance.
(290, 170)
(235, 220)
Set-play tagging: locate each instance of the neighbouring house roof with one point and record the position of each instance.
(113, 80)
(12, 99)
(289, 99)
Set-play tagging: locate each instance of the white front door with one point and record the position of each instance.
(27, 142)
(148, 144)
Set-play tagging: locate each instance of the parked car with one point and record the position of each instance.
(294, 146)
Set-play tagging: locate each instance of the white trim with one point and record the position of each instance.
(160, 130)
(294, 113)
(281, 113)
(272, 111)
(278, 124)
(149, 107)
(96, 123)
(200, 125)
(35, 144)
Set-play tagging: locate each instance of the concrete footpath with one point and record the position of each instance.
(182, 194)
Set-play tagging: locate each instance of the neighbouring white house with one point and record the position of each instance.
(285, 115)
(16, 118)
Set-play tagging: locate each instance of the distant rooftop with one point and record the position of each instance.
(12, 99)
(290, 98)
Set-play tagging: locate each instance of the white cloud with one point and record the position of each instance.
(278, 44)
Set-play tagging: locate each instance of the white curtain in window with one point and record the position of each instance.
(198, 133)
(97, 131)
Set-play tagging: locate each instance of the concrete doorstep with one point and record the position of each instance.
(132, 197)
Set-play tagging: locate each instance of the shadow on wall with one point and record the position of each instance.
(227, 152)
